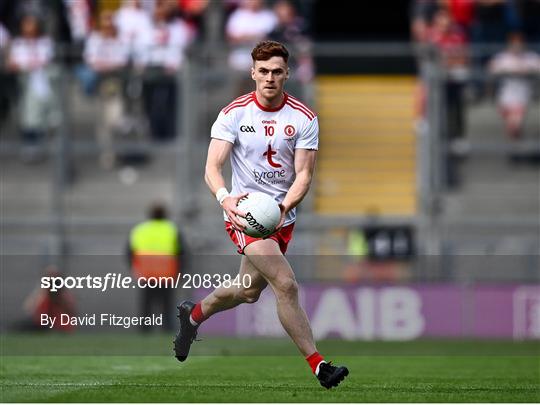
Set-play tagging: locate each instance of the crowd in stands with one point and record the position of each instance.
(469, 37)
(480, 21)
(31, 53)
(514, 65)
(152, 38)
(105, 43)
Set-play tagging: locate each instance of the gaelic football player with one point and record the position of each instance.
(272, 141)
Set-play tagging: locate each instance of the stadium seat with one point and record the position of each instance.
(367, 158)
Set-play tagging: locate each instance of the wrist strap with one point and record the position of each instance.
(221, 194)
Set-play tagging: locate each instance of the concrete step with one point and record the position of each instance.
(366, 137)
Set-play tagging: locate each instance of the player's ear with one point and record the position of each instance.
(253, 72)
(287, 73)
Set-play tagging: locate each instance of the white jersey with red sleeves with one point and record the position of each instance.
(265, 141)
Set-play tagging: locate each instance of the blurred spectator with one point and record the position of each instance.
(155, 250)
(422, 13)
(451, 44)
(53, 303)
(462, 12)
(514, 65)
(132, 22)
(165, 40)
(357, 254)
(161, 54)
(291, 29)
(107, 56)
(248, 24)
(79, 17)
(170, 7)
(30, 56)
(52, 14)
(192, 12)
(450, 40)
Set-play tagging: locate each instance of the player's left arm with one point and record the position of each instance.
(304, 166)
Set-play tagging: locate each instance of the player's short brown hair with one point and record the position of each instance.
(264, 50)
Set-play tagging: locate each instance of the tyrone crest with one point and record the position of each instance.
(290, 130)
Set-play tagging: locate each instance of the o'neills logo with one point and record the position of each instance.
(273, 122)
(255, 225)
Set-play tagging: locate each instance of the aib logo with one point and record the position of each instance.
(269, 153)
(247, 128)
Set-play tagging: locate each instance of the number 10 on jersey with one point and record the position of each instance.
(268, 130)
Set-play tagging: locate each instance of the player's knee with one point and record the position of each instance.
(287, 287)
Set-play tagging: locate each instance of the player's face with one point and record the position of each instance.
(270, 76)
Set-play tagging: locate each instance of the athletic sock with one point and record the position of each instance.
(197, 317)
(315, 361)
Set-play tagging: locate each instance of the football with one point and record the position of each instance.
(262, 214)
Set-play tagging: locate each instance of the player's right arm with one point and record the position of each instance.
(218, 153)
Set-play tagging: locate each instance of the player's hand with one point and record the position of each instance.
(230, 207)
(281, 221)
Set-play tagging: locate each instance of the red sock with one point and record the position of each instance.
(314, 360)
(196, 314)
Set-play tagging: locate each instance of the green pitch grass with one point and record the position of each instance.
(130, 368)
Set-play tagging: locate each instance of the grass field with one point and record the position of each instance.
(134, 368)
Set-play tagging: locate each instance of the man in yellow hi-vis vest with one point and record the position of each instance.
(155, 250)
